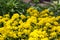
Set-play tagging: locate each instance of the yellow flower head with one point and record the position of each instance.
(16, 15)
(45, 38)
(0, 17)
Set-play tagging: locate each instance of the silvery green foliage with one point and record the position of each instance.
(55, 7)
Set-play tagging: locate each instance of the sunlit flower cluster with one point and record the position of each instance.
(38, 25)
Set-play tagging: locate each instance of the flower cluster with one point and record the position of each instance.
(37, 25)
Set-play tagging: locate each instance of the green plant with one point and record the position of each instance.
(12, 6)
(55, 7)
(35, 1)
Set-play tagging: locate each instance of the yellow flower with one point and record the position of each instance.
(16, 15)
(35, 26)
(20, 22)
(58, 17)
(1, 20)
(55, 23)
(19, 34)
(45, 38)
(33, 34)
(45, 28)
(44, 11)
(14, 27)
(0, 17)
(15, 23)
(26, 31)
(48, 24)
(30, 9)
(51, 13)
(35, 11)
(2, 38)
(5, 19)
(58, 28)
(41, 36)
(22, 16)
(54, 28)
(32, 38)
(12, 34)
(53, 34)
(31, 13)
(6, 15)
(26, 25)
(35, 14)
(32, 19)
(45, 14)
(28, 16)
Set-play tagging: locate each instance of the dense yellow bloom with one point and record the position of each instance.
(35, 26)
(1, 38)
(12, 34)
(32, 19)
(53, 34)
(38, 33)
(33, 11)
(33, 34)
